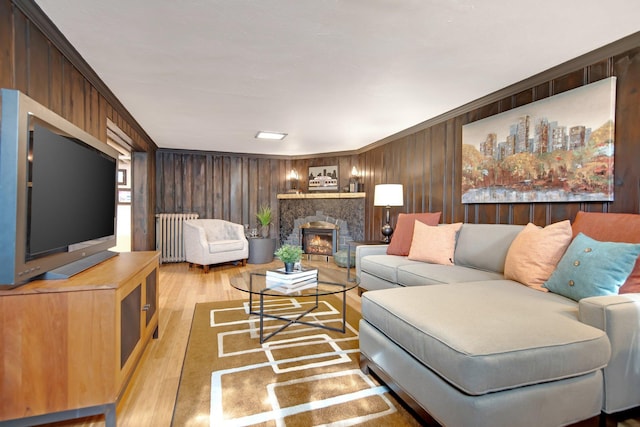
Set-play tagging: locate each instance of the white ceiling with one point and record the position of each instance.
(334, 74)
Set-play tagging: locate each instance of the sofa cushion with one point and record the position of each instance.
(488, 336)
(435, 244)
(225, 246)
(535, 252)
(612, 227)
(592, 268)
(403, 234)
(384, 266)
(485, 246)
(429, 274)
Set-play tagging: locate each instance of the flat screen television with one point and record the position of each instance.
(58, 186)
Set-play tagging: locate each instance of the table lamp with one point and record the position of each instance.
(388, 195)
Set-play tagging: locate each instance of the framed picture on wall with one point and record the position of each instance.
(122, 177)
(559, 149)
(323, 178)
(124, 196)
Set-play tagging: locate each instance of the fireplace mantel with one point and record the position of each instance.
(322, 196)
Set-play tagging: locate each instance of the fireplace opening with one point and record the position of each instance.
(319, 238)
(318, 243)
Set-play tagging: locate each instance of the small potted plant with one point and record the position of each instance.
(289, 254)
(264, 218)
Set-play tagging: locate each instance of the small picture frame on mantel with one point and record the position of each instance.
(323, 178)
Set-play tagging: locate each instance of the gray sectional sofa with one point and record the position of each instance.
(466, 347)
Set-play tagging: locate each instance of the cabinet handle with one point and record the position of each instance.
(146, 307)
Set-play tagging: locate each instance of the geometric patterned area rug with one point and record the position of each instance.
(302, 376)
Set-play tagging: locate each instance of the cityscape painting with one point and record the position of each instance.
(323, 178)
(559, 149)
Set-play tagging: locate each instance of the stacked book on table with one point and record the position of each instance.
(294, 281)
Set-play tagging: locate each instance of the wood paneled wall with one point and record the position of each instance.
(428, 161)
(217, 185)
(38, 61)
(425, 159)
(232, 186)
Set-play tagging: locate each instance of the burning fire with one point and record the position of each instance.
(318, 245)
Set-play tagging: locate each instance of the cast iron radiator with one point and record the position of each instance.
(169, 238)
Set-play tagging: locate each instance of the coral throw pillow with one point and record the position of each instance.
(535, 253)
(403, 234)
(612, 227)
(434, 244)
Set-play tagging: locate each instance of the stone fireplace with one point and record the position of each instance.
(325, 235)
(319, 238)
(344, 211)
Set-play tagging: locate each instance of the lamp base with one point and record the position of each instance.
(387, 231)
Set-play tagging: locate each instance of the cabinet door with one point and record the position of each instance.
(151, 295)
(130, 323)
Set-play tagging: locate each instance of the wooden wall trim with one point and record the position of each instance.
(222, 153)
(612, 49)
(36, 15)
(260, 156)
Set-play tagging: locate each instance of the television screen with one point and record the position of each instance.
(72, 193)
(58, 186)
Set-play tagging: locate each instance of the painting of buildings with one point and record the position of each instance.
(558, 149)
(323, 178)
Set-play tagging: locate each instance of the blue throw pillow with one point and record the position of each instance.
(591, 268)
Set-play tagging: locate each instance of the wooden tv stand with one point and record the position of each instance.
(69, 347)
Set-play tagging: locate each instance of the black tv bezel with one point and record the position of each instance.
(19, 112)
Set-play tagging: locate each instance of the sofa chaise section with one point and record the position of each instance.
(561, 402)
(479, 342)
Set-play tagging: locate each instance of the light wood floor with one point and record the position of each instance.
(151, 394)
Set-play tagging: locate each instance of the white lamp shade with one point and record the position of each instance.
(388, 195)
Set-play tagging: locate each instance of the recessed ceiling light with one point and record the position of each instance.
(270, 135)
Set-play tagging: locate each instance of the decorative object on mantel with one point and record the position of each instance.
(264, 218)
(289, 255)
(388, 195)
(323, 178)
(354, 181)
(293, 182)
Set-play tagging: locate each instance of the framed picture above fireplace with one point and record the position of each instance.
(323, 178)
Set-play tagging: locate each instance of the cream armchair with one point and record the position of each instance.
(214, 241)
